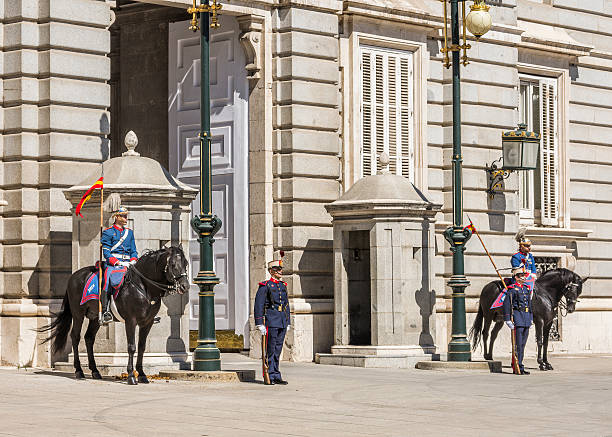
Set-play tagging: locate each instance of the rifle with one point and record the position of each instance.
(264, 358)
(515, 367)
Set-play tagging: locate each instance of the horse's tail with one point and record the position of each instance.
(60, 327)
(476, 329)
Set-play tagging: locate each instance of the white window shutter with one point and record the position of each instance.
(386, 107)
(406, 112)
(549, 153)
(366, 114)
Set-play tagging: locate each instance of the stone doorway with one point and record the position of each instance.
(359, 288)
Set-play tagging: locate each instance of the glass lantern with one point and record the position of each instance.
(520, 149)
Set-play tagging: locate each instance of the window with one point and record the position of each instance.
(538, 190)
(387, 110)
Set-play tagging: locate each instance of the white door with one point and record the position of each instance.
(229, 125)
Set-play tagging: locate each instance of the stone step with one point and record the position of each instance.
(389, 361)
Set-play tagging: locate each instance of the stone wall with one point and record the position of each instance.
(54, 121)
(306, 165)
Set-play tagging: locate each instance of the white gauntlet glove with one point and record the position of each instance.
(262, 329)
(510, 324)
(288, 327)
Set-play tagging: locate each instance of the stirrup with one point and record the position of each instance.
(106, 318)
(156, 320)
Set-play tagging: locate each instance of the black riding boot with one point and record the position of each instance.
(106, 316)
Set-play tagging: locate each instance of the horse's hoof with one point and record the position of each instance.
(142, 379)
(96, 375)
(488, 358)
(79, 374)
(131, 380)
(542, 367)
(548, 366)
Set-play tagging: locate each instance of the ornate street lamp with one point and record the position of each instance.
(206, 356)
(456, 235)
(520, 151)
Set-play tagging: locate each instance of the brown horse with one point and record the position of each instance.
(138, 301)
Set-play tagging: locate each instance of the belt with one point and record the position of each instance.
(120, 256)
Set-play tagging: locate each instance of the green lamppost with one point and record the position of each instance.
(478, 22)
(206, 356)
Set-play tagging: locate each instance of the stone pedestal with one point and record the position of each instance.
(383, 251)
(159, 214)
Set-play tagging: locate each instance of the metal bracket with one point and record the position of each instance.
(197, 9)
(496, 177)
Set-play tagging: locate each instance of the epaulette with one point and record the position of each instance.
(263, 283)
(107, 228)
(284, 283)
(517, 253)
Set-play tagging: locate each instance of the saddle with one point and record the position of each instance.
(113, 276)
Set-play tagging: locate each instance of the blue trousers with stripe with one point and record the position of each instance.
(276, 338)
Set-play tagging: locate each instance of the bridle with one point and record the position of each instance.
(569, 300)
(171, 288)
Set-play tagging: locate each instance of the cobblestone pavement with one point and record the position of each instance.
(574, 399)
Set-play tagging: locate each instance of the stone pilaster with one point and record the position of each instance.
(306, 165)
(54, 124)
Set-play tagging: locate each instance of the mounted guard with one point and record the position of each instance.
(524, 258)
(118, 249)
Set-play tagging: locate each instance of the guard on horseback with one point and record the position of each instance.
(524, 258)
(518, 312)
(118, 249)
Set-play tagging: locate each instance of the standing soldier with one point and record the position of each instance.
(518, 313)
(118, 248)
(273, 316)
(524, 258)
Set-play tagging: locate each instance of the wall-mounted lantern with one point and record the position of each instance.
(520, 151)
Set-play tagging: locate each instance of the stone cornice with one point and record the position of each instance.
(381, 208)
(548, 38)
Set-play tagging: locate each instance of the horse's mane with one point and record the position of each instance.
(150, 255)
(147, 255)
(567, 276)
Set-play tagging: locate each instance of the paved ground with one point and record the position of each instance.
(574, 399)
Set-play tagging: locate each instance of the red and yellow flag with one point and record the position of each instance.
(471, 227)
(87, 195)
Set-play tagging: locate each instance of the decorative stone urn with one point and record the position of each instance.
(383, 251)
(159, 213)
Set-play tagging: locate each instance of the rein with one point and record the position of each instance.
(170, 289)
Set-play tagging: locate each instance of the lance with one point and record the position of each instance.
(515, 366)
(100, 253)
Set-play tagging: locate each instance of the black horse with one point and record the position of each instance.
(138, 302)
(550, 288)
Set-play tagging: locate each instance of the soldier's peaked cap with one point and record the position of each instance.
(277, 261)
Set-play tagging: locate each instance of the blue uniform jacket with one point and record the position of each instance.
(272, 301)
(519, 259)
(126, 251)
(518, 304)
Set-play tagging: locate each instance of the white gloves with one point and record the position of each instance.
(262, 329)
(510, 324)
(288, 327)
(133, 262)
